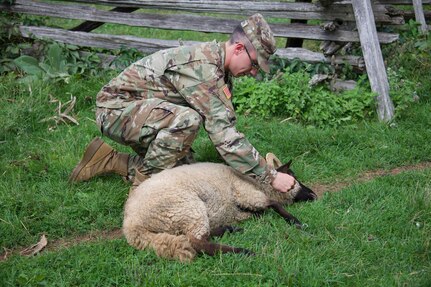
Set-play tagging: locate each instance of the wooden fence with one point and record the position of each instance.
(341, 22)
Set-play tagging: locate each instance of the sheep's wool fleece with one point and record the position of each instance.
(194, 199)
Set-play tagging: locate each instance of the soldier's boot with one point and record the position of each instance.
(138, 179)
(99, 158)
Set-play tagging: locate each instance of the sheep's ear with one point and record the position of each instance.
(272, 160)
(284, 168)
(289, 163)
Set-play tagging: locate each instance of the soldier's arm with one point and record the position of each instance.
(211, 101)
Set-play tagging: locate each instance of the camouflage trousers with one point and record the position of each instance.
(161, 133)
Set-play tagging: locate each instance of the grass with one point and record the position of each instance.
(374, 233)
(385, 221)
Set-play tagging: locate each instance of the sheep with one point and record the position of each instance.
(176, 211)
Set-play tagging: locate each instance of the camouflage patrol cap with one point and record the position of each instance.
(260, 35)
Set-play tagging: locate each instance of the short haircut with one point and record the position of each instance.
(238, 35)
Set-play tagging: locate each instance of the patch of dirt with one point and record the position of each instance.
(67, 242)
(92, 236)
(319, 189)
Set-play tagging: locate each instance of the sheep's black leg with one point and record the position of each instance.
(277, 207)
(220, 231)
(211, 248)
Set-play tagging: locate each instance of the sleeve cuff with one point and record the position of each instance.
(267, 177)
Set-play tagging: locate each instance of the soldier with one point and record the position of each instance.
(157, 104)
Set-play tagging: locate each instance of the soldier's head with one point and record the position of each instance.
(251, 43)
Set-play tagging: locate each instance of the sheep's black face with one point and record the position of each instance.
(305, 193)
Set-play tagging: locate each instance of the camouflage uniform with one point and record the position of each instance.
(157, 104)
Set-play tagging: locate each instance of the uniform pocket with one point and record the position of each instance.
(134, 119)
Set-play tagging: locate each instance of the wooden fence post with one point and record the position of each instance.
(373, 58)
(419, 14)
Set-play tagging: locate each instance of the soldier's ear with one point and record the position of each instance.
(239, 47)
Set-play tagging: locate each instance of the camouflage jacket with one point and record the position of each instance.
(192, 76)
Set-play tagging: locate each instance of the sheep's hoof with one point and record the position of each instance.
(301, 226)
(294, 221)
(248, 252)
(220, 231)
(232, 229)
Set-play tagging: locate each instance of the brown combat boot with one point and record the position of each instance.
(99, 158)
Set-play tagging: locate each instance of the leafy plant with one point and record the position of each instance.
(59, 63)
(54, 67)
(125, 57)
(402, 90)
(8, 26)
(279, 64)
(409, 63)
(289, 95)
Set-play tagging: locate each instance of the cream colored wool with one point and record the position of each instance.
(188, 201)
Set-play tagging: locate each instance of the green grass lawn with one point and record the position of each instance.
(372, 233)
(369, 234)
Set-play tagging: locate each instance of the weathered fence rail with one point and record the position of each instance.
(346, 22)
(205, 23)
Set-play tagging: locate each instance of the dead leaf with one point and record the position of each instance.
(35, 249)
(52, 99)
(5, 255)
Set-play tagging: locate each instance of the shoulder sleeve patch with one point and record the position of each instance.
(226, 92)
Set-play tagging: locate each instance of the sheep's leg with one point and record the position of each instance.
(277, 207)
(220, 231)
(210, 248)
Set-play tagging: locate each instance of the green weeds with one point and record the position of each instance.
(290, 95)
(58, 63)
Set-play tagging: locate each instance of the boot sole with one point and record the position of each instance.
(91, 149)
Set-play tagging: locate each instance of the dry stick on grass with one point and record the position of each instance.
(35, 249)
(63, 116)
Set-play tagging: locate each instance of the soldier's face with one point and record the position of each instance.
(244, 62)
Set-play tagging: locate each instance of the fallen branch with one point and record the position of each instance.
(63, 116)
(36, 248)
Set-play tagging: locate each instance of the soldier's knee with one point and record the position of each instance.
(196, 120)
(189, 119)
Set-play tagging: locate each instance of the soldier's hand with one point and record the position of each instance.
(283, 182)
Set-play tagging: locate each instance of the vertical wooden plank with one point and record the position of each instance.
(419, 14)
(373, 58)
